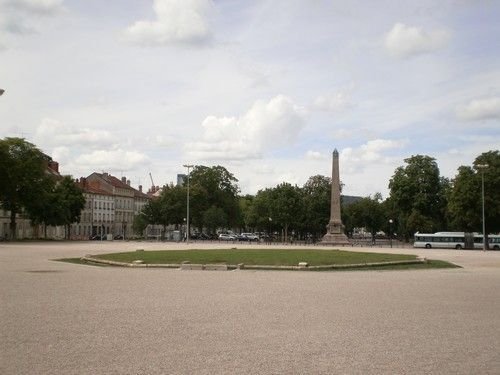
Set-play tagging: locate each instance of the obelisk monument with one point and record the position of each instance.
(335, 230)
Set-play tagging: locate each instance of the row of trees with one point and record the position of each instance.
(28, 187)
(420, 199)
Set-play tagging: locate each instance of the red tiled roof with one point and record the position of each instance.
(117, 183)
(89, 187)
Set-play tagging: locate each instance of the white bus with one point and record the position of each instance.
(453, 240)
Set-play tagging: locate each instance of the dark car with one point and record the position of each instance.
(203, 236)
(248, 237)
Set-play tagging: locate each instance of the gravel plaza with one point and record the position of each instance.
(61, 318)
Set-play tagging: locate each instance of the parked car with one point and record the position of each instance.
(118, 237)
(227, 237)
(248, 237)
(204, 236)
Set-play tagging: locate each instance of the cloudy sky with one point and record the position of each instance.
(266, 88)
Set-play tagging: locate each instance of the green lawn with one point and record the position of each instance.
(255, 257)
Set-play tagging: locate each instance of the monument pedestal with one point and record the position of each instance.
(335, 235)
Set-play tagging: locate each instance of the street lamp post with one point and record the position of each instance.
(269, 232)
(188, 166)
(390, 231)
(482, 167)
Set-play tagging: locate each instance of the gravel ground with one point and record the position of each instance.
(60, 318)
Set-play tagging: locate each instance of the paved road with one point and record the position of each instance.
(59, 318)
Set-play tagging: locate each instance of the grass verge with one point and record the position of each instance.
(268, 257)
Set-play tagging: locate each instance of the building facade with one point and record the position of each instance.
(110, 209)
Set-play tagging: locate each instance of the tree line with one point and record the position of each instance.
(420, 199)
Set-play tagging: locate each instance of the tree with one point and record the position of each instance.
(168, 208)
(23, 178)
(245, 205)
(173, 202)
(465, 197)
(71, 202)
(316, 194)
(417, 193)
(367, 213)
(214, 218)
(285, 206)
(47, 209)
(140, 224)
(213, 187)
(464, 202)
(154, 213)
(258, 213)
(59, 203)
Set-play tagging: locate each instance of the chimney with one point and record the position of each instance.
(140, 188)
(124, 180)
(128, 182)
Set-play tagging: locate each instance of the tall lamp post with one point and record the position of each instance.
(269, 232)
(390, 231)
(482, 167)
(188, 166)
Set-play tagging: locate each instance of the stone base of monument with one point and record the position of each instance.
(335, 234)
(335, 239)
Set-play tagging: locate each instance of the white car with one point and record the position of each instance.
(226, 237)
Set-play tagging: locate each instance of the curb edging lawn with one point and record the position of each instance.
(229, 267)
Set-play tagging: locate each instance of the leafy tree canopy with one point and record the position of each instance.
(23, 176)
(213, 186)
(418, 191)
(465, 197)
(368, 213)
(316, 194)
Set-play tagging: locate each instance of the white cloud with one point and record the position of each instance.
(177, 21)
(267, 124)
(405, 41)
(480, 109)
(54, 133)
(332, 102)
(112, 160)
(14, 25)
(370, 153)
(339, 134)
(17, 17)
(61, 154)
(315, 155)
(166, 141)
(379, 145)
(36, 6)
